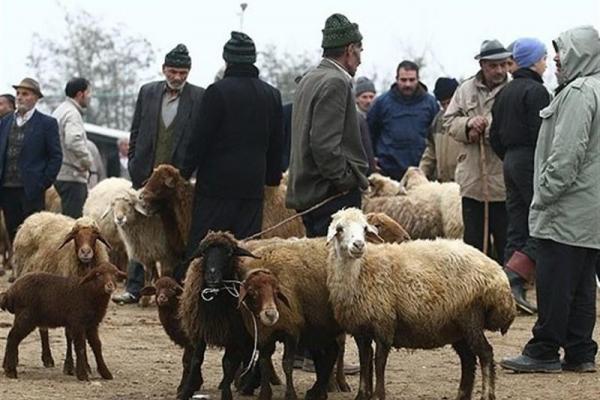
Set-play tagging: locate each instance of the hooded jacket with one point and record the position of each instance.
(566, 197)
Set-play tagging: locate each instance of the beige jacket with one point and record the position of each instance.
(473, 98)
(440, 157)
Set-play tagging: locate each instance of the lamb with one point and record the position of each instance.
(60, 245)
(167, 292)
(275, 211)
(40, 299)
(97, 206)
(418, 294)
(445, 197)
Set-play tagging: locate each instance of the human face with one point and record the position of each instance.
(25, 100)
(445, 103)
(511, 65)
(123, 147)
(353, 57)
(5, 107)
(407, 81)
(364, 100)
(494, 72)
(558, 64)
(175, 77)
(83, 98)
(540, 66)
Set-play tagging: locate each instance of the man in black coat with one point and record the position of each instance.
(236, 149)
(513, 136)
(165, 116)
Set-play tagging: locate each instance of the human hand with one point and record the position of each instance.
(478, 123)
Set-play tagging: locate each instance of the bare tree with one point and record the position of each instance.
(114, 62)
(282, 69)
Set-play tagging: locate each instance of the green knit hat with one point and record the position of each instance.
(239, 49)
(339, 32)
(179, 57)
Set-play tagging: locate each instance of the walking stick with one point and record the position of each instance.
(486, 194)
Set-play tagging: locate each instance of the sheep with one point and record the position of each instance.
(387, 229)
(420, 219)
(41, 299)
(445, 197)
(60, 245)
(418, 294)
(275, 211)
(52, 200)
(167, 292)
(97, 206)
(381, 186)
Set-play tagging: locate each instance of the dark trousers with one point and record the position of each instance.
(518, 178)
(72, 197)
(135, 277)
(317, 221)
(241, 217)
(566, 300)
(473, 219)
(17, 207)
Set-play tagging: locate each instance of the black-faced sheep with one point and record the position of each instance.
(41, 299)
(419, 295)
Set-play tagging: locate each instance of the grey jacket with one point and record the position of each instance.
(566, 197)
(327, 156)
(144, 128)
(77, 159)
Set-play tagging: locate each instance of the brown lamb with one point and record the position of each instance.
(41, 299)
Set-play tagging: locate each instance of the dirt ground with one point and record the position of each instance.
(146, 365)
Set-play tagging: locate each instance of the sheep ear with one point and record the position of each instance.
(243, 293)
(89, 277)
(169, 182)
(331, 232)
(178, 290)
(107, 210)
(148, 291)
(103, 240)
(70, 236)
(121, 275)
(283, 298)
(242, 252)
(374, 237)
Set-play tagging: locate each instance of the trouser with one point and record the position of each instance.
(473, 219)
(316, 222)
(17, 207)
(241, 217)
(518, 179)
(135, 277)
(72, 197)
(566, 300)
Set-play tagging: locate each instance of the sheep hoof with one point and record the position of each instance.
(275, 379)
(105, 374)
(344, 387)
(48, 362)
(12, 374)
(315, 394)
(226, 394)
(68, 369)
(83, 376)
(291, 396)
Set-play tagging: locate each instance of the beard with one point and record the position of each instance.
(175, 85)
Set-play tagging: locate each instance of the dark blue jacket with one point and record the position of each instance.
(399, 127)
(41, 156)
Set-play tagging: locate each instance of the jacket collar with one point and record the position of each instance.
(330, 64)
(419, 93)
(241, 70)
(527, 73)
(75, 104)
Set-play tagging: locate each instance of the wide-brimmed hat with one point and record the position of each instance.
(492, 50)
(31, 84)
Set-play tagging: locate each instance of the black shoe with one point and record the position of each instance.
(527, 364)
(581, 367)
(517, 287)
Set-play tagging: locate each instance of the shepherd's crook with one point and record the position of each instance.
(486, 194)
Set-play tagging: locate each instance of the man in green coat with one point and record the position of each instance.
(565, 213)
(327, 156)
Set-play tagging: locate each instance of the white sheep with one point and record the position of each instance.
(445, 197)
(97, 205)
(420, 295)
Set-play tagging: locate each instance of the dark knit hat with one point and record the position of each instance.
(363, 84)
(239, 49)
(445, 88)
(339, 32)
(178, 57)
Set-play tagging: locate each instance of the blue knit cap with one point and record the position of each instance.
(528, 51)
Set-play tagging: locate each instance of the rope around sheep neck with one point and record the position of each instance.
(254, 357)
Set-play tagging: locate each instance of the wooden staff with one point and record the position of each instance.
(486, 193)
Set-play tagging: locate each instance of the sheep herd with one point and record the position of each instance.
(394, 274)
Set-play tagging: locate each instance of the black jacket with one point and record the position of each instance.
(237, 148)
(144, 128)
(515, 114)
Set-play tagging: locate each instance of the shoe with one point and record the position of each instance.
(583, 367)
(527, 364)
(351, 369)
(517, 287)
(125, 298)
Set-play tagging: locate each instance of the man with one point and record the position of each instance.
(7, 104)
(511, 64)
(236, 149)
(468, 120)
(118, 162)
(30, 156)
(439, 159)
(328, 158)
(565, 213)
(71, 183)
(165, 116)
(513, 136)
(364, 91)
(399, 122)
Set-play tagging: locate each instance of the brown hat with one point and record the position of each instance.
(31, 84)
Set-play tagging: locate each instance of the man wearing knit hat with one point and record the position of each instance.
(327, 156)
(165, 116)
(364, 91)
(439, 159)
(467, 120)
(513, 136)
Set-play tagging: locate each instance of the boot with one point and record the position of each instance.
(517, 286)
(520, 270)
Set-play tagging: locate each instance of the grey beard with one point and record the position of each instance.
(174, 87)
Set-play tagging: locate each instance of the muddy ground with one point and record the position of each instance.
(146, 365)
